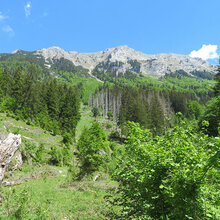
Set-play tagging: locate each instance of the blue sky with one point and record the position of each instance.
(150, 26)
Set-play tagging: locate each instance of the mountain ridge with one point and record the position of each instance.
(122, 59)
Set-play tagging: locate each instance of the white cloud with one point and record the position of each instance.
(8, 29)
(206, 52)
(27, 9)
(2, 17)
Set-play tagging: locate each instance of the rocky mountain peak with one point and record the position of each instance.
(131, 60)
(51, 52)
(124, 54)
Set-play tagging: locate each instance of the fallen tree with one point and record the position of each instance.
(8, 148)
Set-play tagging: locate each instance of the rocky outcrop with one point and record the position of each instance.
(8, 148)
(131, 60)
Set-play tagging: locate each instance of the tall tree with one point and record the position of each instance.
(69, 112)
(52, 99)
(92, 148)
(17, 90)
(6, 82)
(217, 86)
(156, 114)
(31, 92)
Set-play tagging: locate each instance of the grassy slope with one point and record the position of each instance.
(32, 133)
(85, 121)
(44, 197)
(48, 199)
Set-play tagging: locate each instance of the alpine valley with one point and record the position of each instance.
(116, 134)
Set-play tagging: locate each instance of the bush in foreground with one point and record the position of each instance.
(168, 177)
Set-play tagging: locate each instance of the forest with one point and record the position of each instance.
(132, 147)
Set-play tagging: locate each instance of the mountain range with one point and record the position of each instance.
(115, 61)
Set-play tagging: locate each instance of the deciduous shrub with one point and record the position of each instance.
(168, 177)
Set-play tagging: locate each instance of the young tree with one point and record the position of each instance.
(92, 149)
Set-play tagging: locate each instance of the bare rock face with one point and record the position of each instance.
(157, 65)
(8, 149)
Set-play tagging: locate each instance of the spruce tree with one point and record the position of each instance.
(217, 86)
(156, 116)
(17, 90)
(31, 93)
(6, 82)
(52, 99)
(92, 149)
(69, 112)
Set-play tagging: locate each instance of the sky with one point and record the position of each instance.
(189, 27)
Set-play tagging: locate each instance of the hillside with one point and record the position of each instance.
(45, 187)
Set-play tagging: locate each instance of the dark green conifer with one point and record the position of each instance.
(17, 91)
(156, 116)
(217, 79)
(6, 82)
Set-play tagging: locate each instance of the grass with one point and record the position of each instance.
(85, 120)
(45, 192)
(50, 200)
(33, 133)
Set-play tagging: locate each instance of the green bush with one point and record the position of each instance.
(67, 139)
(95, 112)
(40, 154)
(56, 154)
(108, 126)
(28, 150)
(168, 177)
(114, 135)
(110, 115)
(194, 110)
(212, 115)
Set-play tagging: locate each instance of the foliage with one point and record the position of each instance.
(194, 109)
(95, 112)
(217, 79)
(200, 87)
(67, 139)
(52, 105)
(114, 135)
(57, 156)
(212, 115)
(92, 149)
(39, 155)
(110, 115)
(167, 177)
(28, 151)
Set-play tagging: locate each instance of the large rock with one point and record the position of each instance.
(8, 148)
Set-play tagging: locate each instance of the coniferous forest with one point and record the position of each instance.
(130, 147)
